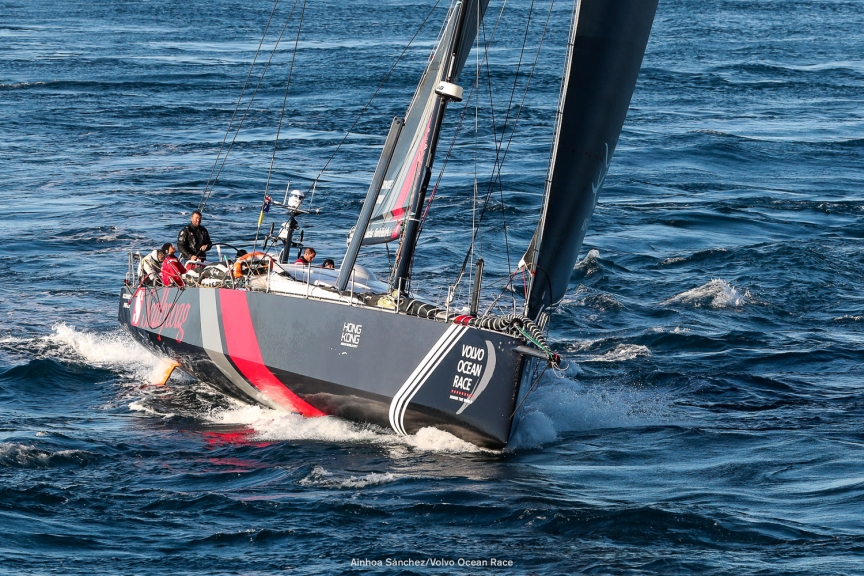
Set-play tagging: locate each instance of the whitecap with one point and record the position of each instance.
(25, 456)
(672, 260)
(321, 477)
(620, 353)
(589, 260)
(715, 294)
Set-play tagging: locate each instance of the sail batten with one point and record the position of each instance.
(607, 43)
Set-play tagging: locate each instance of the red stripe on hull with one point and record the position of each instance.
(246, 355)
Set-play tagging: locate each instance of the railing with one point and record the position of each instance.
(133, 280)
(132, 268)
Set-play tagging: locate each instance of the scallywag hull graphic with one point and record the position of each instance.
(322, 358)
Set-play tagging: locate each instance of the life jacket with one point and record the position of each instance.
(242, 265)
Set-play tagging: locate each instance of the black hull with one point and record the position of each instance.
(329, 358)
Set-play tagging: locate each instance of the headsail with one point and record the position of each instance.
(607, 43)
(405, 175)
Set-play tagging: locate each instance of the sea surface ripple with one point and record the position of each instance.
(709, 420)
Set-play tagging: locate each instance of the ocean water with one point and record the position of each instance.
(709, 418)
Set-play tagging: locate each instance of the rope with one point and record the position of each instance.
(363, 110)
(152, 299)
(515, 325)
(496, 177)
(476, 229)
(281, 118)
(205, 197)
(534, 385)
(285, 98)
(459, 127)
(239, 100)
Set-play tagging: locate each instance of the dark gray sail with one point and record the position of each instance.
(405, 174)
(607, 43)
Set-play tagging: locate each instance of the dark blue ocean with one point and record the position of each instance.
(710, 418)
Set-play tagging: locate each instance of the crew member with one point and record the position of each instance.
(150, 267)
(172, 269)
(329, 264)
(307, 257)
(193, 240)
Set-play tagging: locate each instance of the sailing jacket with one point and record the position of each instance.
(149, 269)
(172, 271)
(191, 239)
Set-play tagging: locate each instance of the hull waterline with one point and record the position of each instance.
(328, 358)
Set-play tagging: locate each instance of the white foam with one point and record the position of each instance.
(558, 406)
(716, 294)
(115, 350)
(29, 456)
(590, 258)
(620, 353)
(141, 406)
(277, 425)
(321, 477)
(21, 85)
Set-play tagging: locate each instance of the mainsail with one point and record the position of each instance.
(415, 148)
(607, 43)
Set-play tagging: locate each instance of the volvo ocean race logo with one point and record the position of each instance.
(473, 372)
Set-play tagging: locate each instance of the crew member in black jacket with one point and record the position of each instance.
(193, 240)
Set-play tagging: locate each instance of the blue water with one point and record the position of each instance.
(710, 417)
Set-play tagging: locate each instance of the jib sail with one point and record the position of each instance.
(607, 43)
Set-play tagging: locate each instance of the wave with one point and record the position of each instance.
(557, 407)
(701, 256)
(114, 350)
(590, 264)
(589, 298)
(20, 85)
(620, 353)
(325, 479)
(275, 425)
(14, 455)
(848, 318)
(715, 294)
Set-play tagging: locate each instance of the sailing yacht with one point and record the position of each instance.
(345, 343)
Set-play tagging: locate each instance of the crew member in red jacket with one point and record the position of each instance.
(307, 257)
(172, 269)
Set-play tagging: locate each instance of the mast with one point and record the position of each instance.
(446, 91)
(604, 55)
(397, 208)
(412, 224)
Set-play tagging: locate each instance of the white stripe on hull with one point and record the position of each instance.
(399, 404)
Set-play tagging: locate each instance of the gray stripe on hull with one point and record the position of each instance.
(211, 338)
